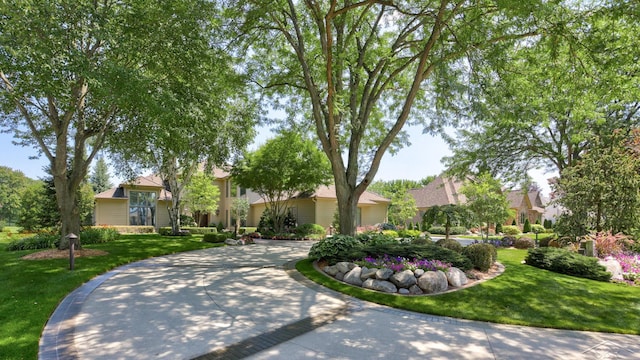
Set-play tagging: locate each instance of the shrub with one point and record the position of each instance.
(547, 224)
(410, 251)
(386, 226)
(507, 241)
(566, 262)
(511, 230)
(545, 242)
(498, 228)
(311, 231)
(187, 221)
(371, 238)
(213, 238)
(220, 226)
(391, 233)
(450, 244)
(38, 241)
(454, 230)
(412, 234)
(524, 243)
(98, 235)
(224, 236)
(134, 229)
(482, 256)
(537, 228)
(607, 243)
(526, 228)
(334, 248)
(165, 231)
(422, 241)
(199, 230)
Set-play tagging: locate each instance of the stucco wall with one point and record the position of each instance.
(324, 211)
(112, 212)
(374, 214)
(162, 214)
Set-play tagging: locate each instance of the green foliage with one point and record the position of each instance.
(448, 216)
(450, 244)
(281, 168)
(201, 195)
(165, 231)
(98, 235)
(12, 185)
(548, 224)
(409, 234)
(441, 230)
(38, 241)
(266, 225)
(220, 226)
(187, 221)
(422, 241)
(526, 228)
(511, 230)
(390, 233)
(409, 251)
(393, 187)
(311, 231)
(100, 177)
(486, 200)
(499, 228)
(482, 255)
(607, 243)
(403, 208)
(373, 238)
(524, 243)
(537, 228)
(214, 238)
(334, 248)
(199, 230)
(567, 262)
(240, 210)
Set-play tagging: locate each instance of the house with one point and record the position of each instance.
(446, 190)
(143, 202)
(146, 200)
(441, 191)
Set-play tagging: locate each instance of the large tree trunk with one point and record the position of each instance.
(69, 216)
(347, 208)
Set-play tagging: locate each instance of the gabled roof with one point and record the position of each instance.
(113, 193)
(149, 181)
(441, 191)
(515, 198)
(329, 192)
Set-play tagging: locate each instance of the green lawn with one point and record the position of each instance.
(522, 295)
(498, 237)
(32, 289)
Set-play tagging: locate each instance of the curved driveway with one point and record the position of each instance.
(247, 302)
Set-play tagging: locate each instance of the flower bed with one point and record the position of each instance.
(397, 263)
(630, 264)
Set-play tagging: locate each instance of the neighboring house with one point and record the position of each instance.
(441, 191)
(526, 206)
(143, 202)
(320, 206)
(445, 190)
(146, 200)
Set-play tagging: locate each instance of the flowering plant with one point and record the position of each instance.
(397, 263)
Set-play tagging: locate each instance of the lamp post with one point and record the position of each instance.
(72, 243)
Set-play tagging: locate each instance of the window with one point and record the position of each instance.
(243, 191)
(523, 217)
(142, 208)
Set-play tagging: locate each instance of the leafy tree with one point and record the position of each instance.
(283, 167)
(526, 228)
(358, 72)
(486, 200)
(392, 187)
(76, 74)
(100, 177)
(12, 184)
(542, 107)
(601, 192)
(201, 195)
(240, 210)
(403, 207)
(447, 215)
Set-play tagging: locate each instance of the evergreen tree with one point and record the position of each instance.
(100, 177)
(498, 227)
(527, 226)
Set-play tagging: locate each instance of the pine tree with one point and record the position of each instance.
(527, 226)
(100, 178)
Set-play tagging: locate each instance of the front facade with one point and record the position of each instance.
(526, 206)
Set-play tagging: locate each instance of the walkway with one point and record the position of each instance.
(247, 302)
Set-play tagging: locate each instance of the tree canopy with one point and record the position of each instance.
(487, 201)
(201, 195)
(283, 167)
(100, 180)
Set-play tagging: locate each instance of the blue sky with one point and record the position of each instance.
(415, 162)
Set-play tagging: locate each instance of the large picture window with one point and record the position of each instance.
(142, 208)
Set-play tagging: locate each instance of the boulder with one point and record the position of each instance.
(339, 276)
(403, 279)
(403, 291)
(233, 242)
(331, 270)
(344, 266)
(433, 282)
(456, 277)
(380, 285)
(368, 273)
(415, 290)
(384, 274)
(613, 266)
(418, 272)
(353, 276)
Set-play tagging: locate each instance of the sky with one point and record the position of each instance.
(415, 162)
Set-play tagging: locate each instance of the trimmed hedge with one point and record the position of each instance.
(450, 244)
(511, 230)
(310, 231)
(524, 243)
(199, 230)
(454, 230)
(566, 262)
(481, 255)
(98, 235)
(216, 238)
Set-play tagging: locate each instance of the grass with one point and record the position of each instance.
(32, 289)
(498, 237)
(522, 295)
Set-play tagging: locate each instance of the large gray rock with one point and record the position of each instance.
(415, 290)
(380, 285)
(456, 277)
(384, 274)
(340, 276)
(403, 291)
(433, 282)
(418, 272)
(331, 270)
(353, 276)
(368, 273)
(344, 266)
(613, 266)
(403, 279)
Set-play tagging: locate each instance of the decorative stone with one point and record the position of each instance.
(339, 276)
(418, 272)
(344, 266)
(380, 285)
(613, 266)
(403, 291)
(403, 279)
(233, 242)
(368, 273)
(415, 290)
(353, 276)
(331, 270)
(384, 274)
(456, 277)
(433, 282)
